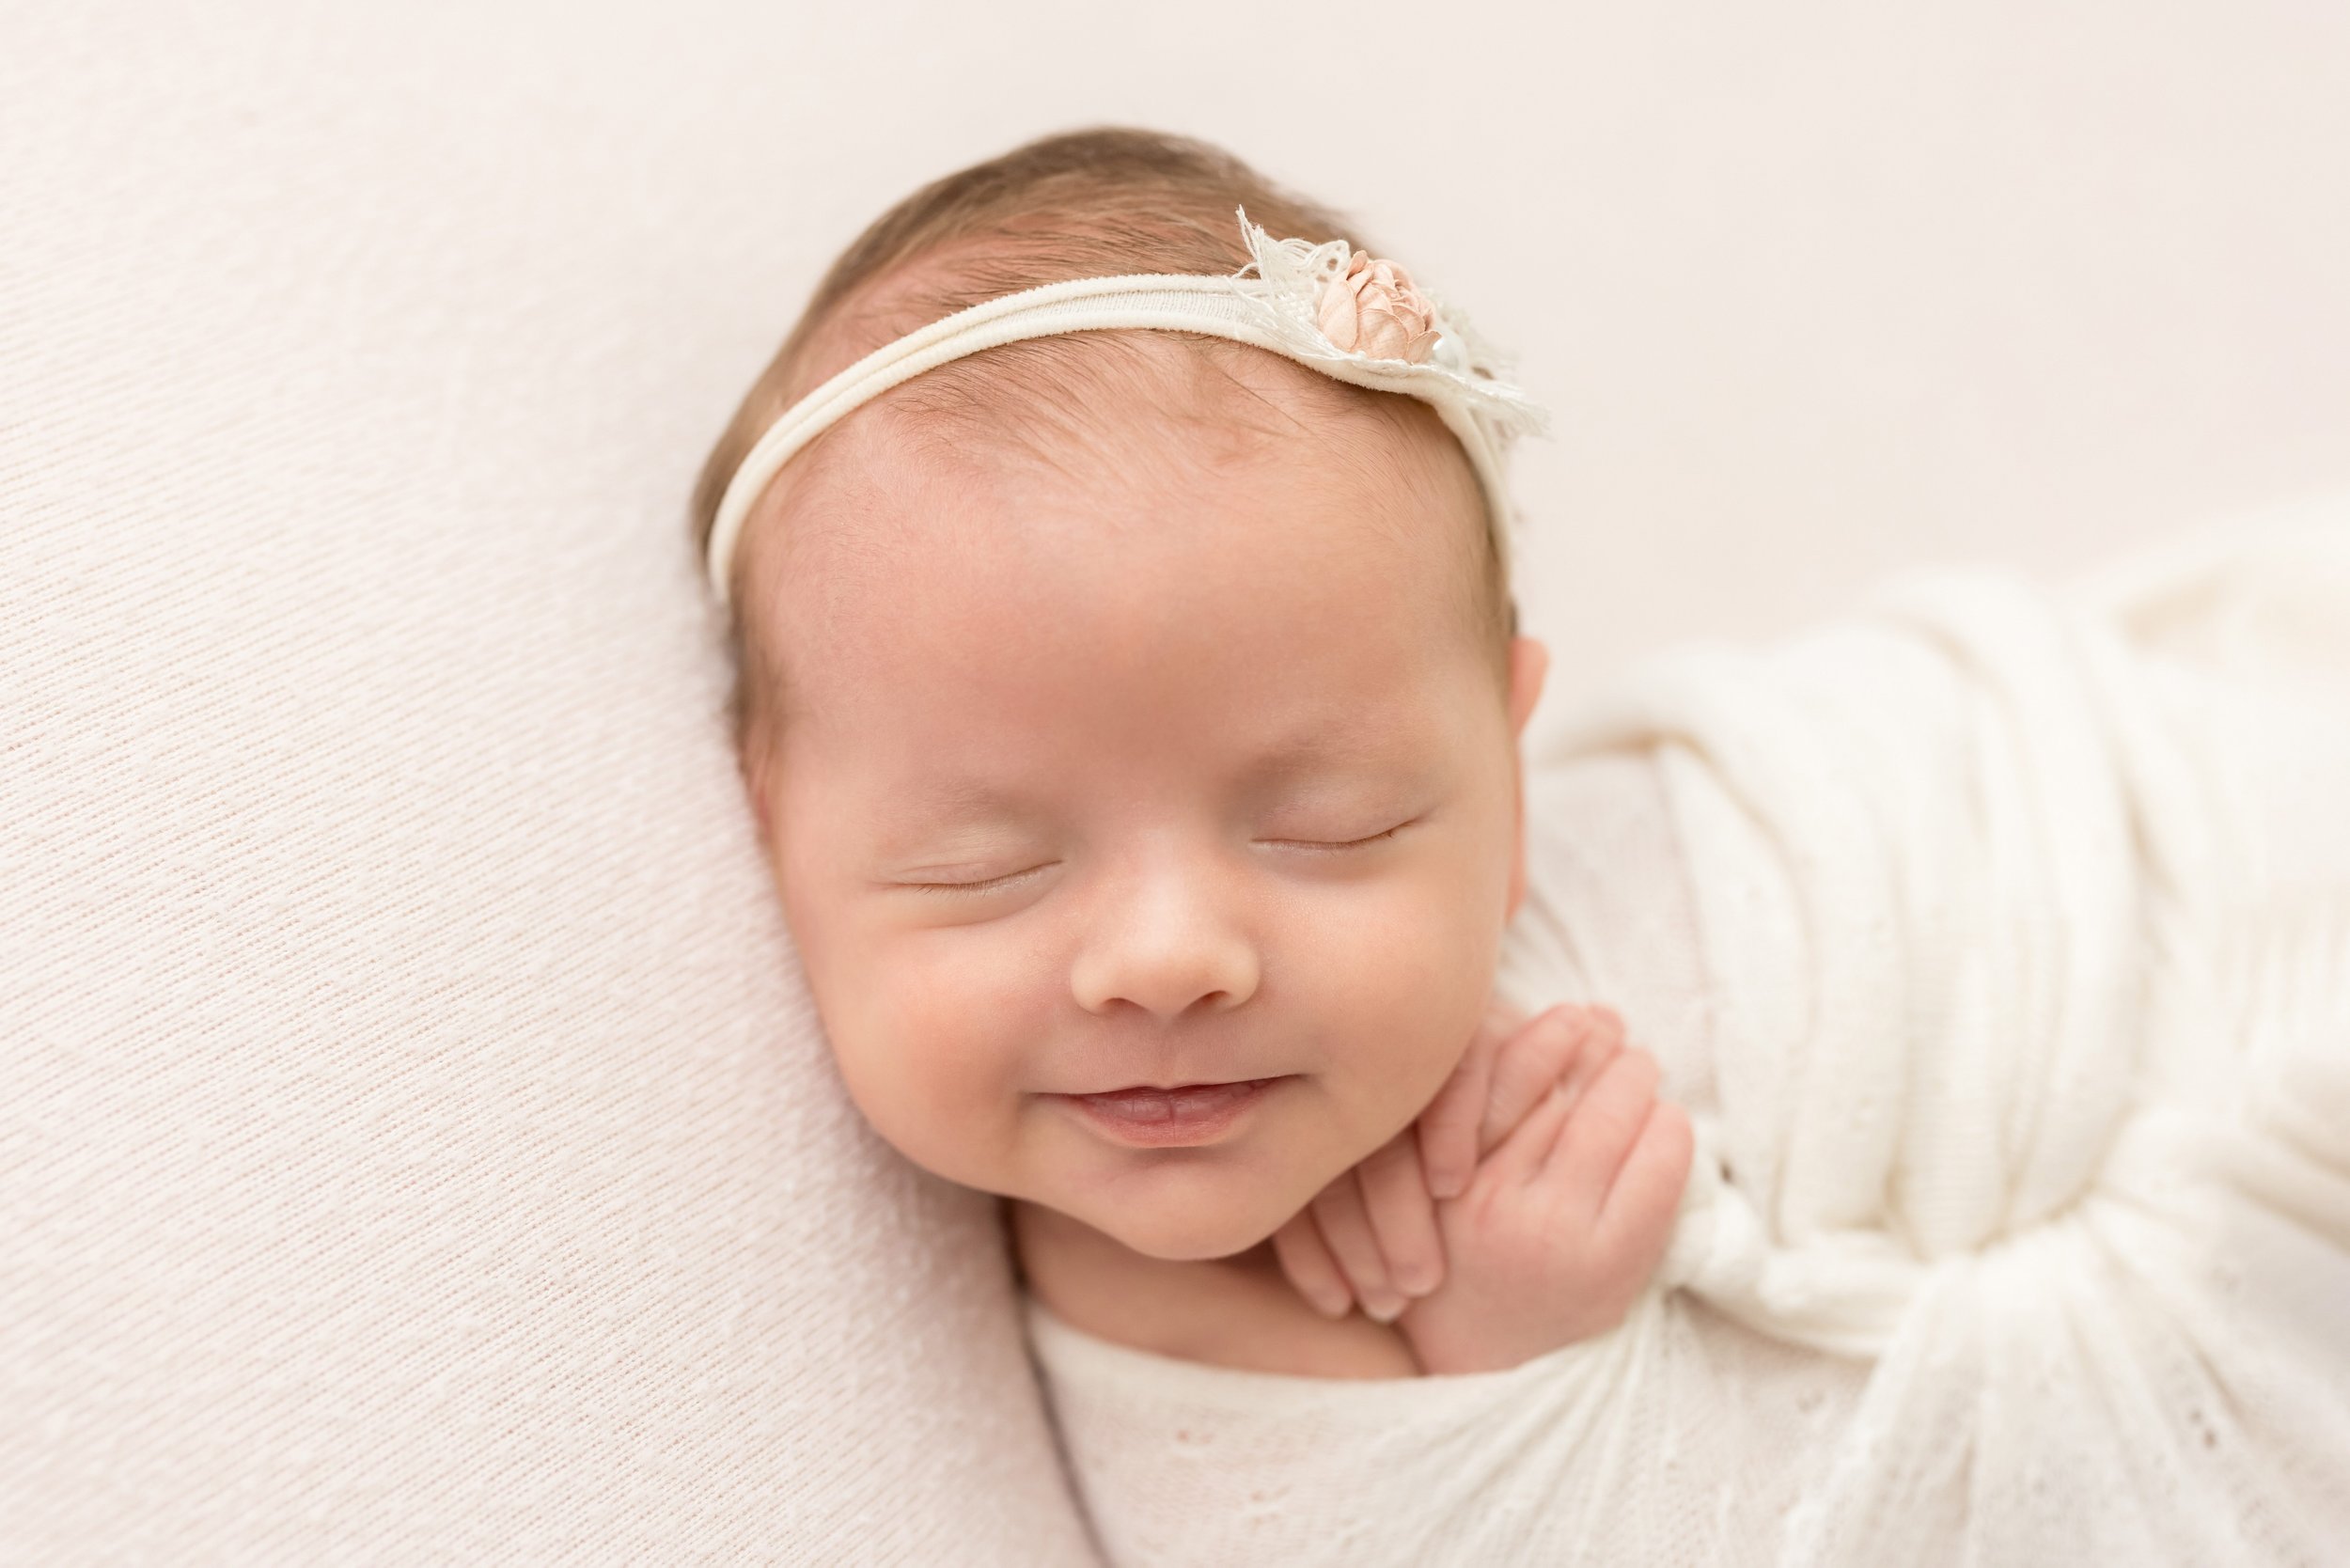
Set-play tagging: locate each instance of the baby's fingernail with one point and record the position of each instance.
(1383, 1309)
(1414, 1281)
(1331, 1304)
(1444, 1184)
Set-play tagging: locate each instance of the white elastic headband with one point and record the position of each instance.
(1303, 302)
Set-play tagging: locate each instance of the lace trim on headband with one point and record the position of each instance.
(1296, 276)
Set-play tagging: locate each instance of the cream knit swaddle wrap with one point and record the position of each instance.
(2020, 1230)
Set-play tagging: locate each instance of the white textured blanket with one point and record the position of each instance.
(2008, 978)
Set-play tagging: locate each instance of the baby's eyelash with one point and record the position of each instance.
(1345, 843)
(992, 884)
(1014, 879)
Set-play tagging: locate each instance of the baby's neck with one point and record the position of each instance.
(1239, 1311)
(1079, 1271)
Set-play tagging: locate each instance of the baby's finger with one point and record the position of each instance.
(1447, 1128)
(1346, 1230)
(1599, 1047)
(1403, 1214)
(1520, 1157)
(1527, 1065)
(1309, 1267)
(1608, 1119)
(1636, 1222)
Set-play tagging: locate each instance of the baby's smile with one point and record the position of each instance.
(1173, 764)
(1177, 1117)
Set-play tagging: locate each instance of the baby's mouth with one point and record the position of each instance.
(1144, 1103)
(1183, 1114)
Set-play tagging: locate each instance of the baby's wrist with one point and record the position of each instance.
(1444, 1349)
(1456, 1336)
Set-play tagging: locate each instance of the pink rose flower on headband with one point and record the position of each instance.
(1372, 308)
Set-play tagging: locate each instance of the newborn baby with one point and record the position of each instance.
(1132, 718)
(1132, 707)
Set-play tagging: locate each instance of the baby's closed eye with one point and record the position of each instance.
(943, 883)
(1333, 844)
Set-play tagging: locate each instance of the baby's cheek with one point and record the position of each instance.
(1402, 978)
(973, 983)
(946, 1044)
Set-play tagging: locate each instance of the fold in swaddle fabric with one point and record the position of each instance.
(2014, 1006)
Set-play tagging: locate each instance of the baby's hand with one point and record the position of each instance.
(1563, 1224)
(1371, 1235)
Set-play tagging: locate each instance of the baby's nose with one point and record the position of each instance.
(1168, 949)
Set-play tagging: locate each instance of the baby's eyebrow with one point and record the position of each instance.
(963, 797)
(1360, 746)
(936, 809)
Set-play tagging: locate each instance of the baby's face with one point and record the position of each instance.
(1182, 769)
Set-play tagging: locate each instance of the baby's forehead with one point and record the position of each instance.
(1095, 486)
(1150, 646)
(1119, 469)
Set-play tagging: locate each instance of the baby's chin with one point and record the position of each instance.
(1189, 1228)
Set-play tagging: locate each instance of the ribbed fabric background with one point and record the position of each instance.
(414, 1141)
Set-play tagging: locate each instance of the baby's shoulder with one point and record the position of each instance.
(1239, 1311)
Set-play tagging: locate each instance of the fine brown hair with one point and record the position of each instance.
(1087, 203)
